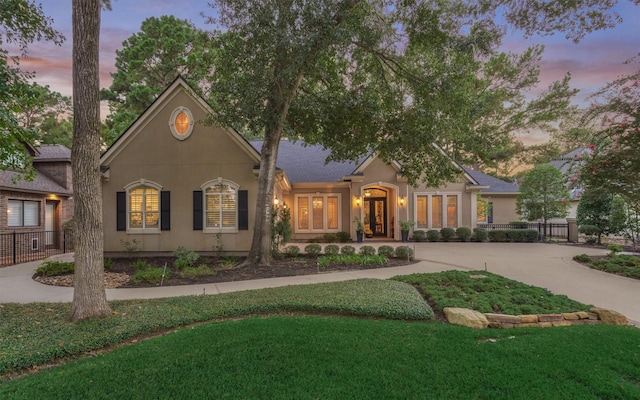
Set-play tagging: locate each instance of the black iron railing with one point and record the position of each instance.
(549, 230)
(21, 247)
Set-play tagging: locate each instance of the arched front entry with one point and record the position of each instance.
(376, 218)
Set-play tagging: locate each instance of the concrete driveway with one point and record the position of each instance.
(545, 265)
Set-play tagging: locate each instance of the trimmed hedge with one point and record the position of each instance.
(433, 235)
(447, 234)
(513, 235)
(463, 233)
(419, 236)
(480, 235)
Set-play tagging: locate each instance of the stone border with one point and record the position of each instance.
(478, 320)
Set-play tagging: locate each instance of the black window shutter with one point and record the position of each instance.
(165, 211)
(243, 210)
(121, 211)
(197, 210)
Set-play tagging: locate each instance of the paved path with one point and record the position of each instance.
(545, 265)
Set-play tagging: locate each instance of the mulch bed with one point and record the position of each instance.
(120, 273)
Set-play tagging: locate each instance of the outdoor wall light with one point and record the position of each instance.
(358, 201)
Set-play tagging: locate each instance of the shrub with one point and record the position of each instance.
(419, 236)
(497, 235)
(463, 233)
(614, 249)
(313, 249)
(140, 265)
(54, 268)
(447, 234)
(521, 235)
(107, 263)
(330, 237)
(591, 231)
(331, 249)
(582, 258)
(480, 234)
(184, 257)
(343, 237)
(519, 224)
(433, 235)
(368, 250)
(348, 250)
(404, 252)
(150, 275)
(386, 250)
(292, 250)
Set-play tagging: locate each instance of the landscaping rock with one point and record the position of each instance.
(503, 318)
(610, 316)
(466, 317)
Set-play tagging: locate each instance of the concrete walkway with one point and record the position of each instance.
(545, 265)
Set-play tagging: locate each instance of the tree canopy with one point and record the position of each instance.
(149, 61)
(543, 194)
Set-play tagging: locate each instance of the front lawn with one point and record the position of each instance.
(316, 357)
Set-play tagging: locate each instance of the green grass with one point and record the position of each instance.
(489, 293)
(345, 358)
(37, 333)
(623, 265)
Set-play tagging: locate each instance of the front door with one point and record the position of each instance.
(375, 214)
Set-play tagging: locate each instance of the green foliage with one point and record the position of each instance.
(543, 194)
(368, 250)
(463, 233)
(200, 270)
(386, 250)
(343, 237)
(598, 207)
(480, 235)
(313, 249)
(591, 231)
(583, 258)
(184, 257)
(497, 235)
(623, 265)
(359, 225)
(433, 235)
(141, 264)
(281, 231)
(489, 293)
(519, 224)
(331, 249)
(614, 249)
(419, 236)
(404, 252)
(447, 234)
(521, 235)
(151, 275)
(329, 238)
(149, 61)
(55, 268)
(107, 263)
(130, 246)
(292, 250)
(347, 250)
(406, 225)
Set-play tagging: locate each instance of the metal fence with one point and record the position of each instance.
(21, 247)
(557, 231)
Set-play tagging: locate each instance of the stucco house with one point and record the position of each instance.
(41, 205)
(172, 181)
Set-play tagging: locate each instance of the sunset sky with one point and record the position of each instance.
(597, 59)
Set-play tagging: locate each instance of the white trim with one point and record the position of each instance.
(172, 123)
(134, 185)
(204, 187)
(429, 196)
(325, 221)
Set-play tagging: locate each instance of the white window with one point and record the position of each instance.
(143, 206)
(437, 210)
(220, 205)
(317, 212)
(23, 213)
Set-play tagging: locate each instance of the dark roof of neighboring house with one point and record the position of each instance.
(41, 183)
(495, 185)
(307, 163)
(52, 152)
(566, 161)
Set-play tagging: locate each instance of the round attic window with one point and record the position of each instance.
(181, 123)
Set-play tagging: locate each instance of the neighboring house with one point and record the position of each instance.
(43, 204)
(497, 203)
(567, 164)
(171, 181)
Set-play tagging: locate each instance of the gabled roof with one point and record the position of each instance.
(495, 185)
(52, 152)
(172, 90)
(41, 183)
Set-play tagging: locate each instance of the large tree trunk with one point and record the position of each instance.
(89, 296)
